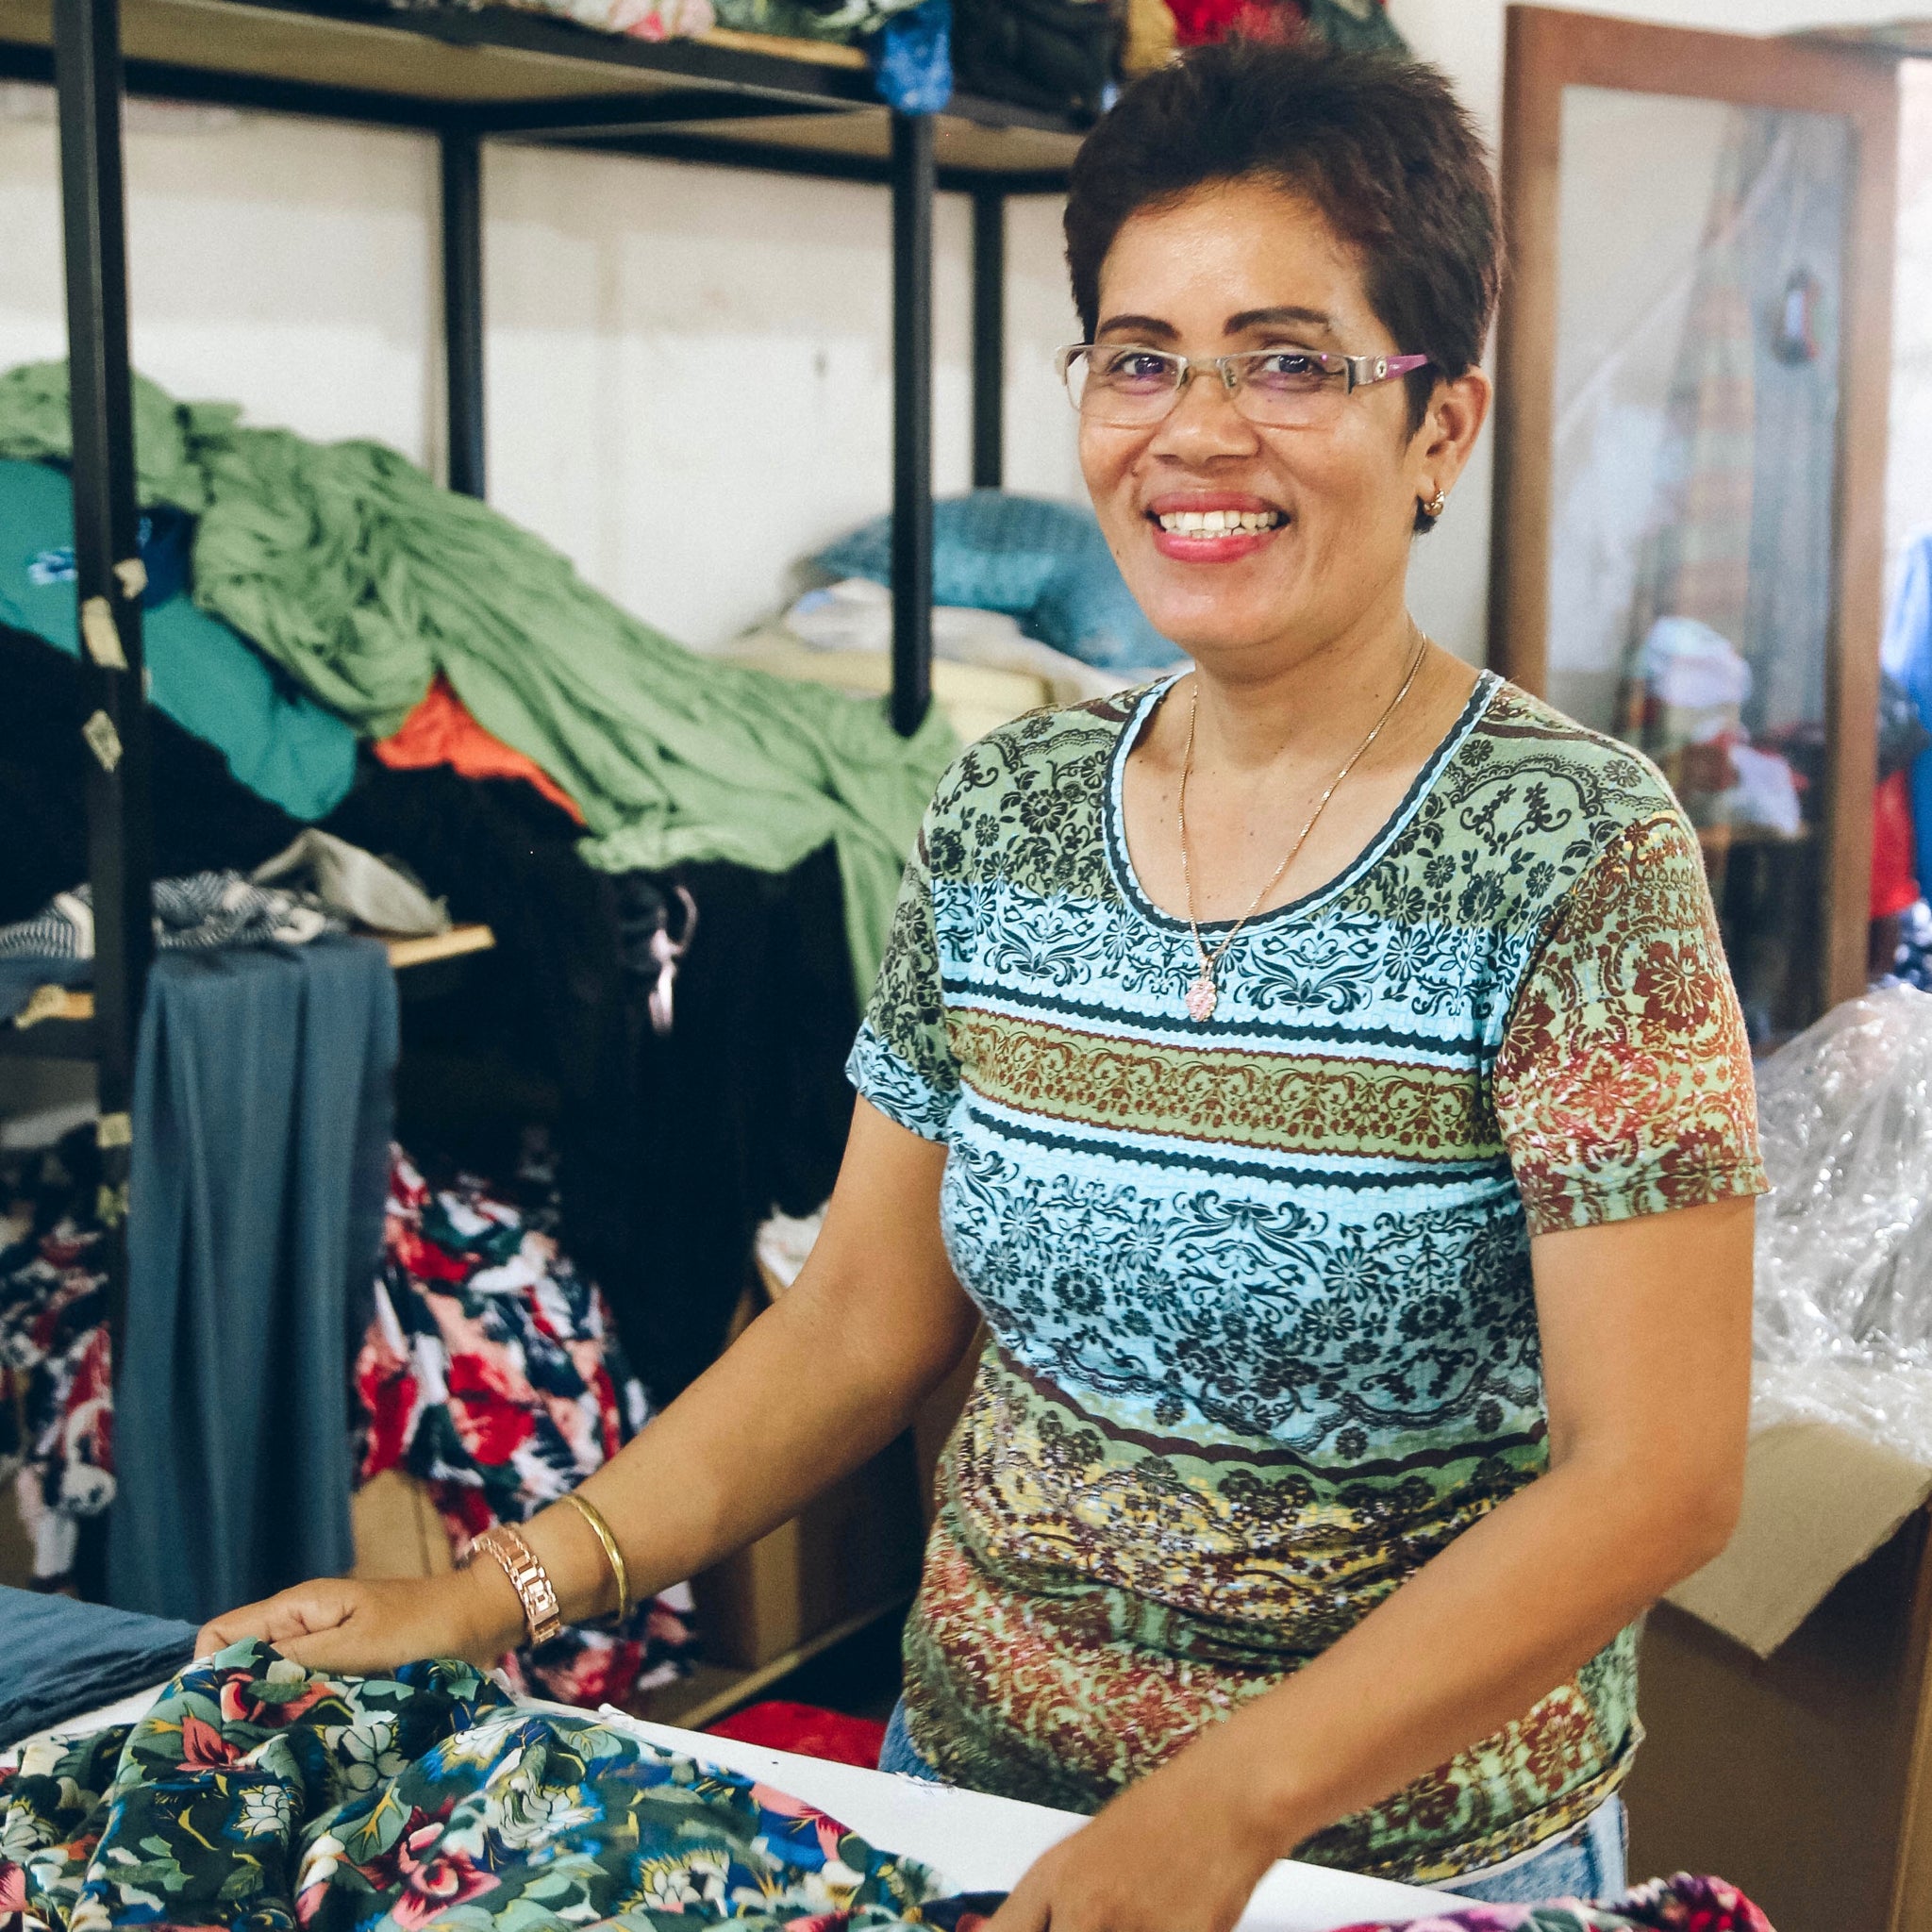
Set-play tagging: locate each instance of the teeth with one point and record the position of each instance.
(1221, 522)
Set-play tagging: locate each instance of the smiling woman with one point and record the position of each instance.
(1320, 1073)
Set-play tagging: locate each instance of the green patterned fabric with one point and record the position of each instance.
(1264, 1333)
(260, 1795)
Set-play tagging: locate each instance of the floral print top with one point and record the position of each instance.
(1263, 1336)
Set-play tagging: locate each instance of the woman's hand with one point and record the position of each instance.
(336, 1623)
(1181, 1851)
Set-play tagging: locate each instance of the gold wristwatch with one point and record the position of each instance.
(528, 1577)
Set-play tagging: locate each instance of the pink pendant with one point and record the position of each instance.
(1201, 998)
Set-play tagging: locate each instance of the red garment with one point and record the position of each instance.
(1894, 885)
(808, 1730)
(1196, 23)
(440, 731)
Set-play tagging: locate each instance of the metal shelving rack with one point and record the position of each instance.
(465, 76)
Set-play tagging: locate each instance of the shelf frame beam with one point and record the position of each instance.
(108, 581)
(461, 154)
(988, 336)
(914, 186)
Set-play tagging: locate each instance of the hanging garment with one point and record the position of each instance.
(65, 1659)
(274, 739)
(672, 1148)
(1894, 884)
(256, 1792)
(56, 1380)
(440, 731)
(491, 1372)
(347, 566)
(202, 819)
(261, 1129)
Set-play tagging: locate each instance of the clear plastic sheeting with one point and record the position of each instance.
(1844, 1316)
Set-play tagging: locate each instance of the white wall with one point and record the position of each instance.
(689, 368)
(290, 265)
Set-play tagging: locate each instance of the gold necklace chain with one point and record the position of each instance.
(1203, 995)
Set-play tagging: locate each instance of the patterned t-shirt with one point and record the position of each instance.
(1263, 1339)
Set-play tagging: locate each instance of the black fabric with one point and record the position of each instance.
(203, 819)
(672, 1150)
(1057, 55)
(65, 1659)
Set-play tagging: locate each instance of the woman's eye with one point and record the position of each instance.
(1286, 369)
(1132, 368)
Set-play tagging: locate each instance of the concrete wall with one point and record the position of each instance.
(689, 373)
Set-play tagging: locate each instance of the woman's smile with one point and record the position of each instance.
(1213, 526)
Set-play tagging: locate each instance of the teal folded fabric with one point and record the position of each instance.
(1045, 564)
(277, 741)
(345, 564)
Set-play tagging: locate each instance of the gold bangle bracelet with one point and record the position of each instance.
(601, 1530)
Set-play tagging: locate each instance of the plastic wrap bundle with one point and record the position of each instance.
(1843, 1318)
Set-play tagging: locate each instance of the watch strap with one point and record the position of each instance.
(542, 1615)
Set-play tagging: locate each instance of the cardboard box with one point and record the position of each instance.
(855, 1549)
(1784, 1692)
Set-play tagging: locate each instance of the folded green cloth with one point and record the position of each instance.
(344, 563)
(277, 741)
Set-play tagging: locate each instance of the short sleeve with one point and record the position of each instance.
(902, 1060)
(1623, 1085)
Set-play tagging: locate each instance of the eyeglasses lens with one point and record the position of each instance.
(1131, 389)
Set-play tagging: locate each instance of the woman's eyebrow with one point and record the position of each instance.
(1263, 318)
(1137, 324)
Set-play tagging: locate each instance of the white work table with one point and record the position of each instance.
(975, 1842)
(979, 1843)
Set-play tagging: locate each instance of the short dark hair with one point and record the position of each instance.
(1380, 143)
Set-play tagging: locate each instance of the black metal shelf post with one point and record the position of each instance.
(462, 305)
(110, 580)
(989, 337)
(914, 184)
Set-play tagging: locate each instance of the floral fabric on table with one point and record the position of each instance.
(258, 1794)
(1682, 1904)
(1263, 1336)
(491, 1372)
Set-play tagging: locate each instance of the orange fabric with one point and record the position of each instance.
(440, 731)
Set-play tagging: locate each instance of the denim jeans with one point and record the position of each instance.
(1588, 1863)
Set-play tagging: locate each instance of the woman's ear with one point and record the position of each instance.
(1441, 444)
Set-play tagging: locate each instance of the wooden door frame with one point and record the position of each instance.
(1548, 50)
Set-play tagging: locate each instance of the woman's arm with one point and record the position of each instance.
(1647, 1339)
(817, 1383)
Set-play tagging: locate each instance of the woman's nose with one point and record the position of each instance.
(1203, 420)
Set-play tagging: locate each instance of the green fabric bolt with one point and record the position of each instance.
(347, 565)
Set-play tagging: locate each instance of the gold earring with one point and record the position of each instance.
(1436, 506)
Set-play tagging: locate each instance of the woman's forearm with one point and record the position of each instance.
(1472, 1641)
(794, 1404)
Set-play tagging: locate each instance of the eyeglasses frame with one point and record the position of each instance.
(1359, 372)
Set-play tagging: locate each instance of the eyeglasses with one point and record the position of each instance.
(1128, 387)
